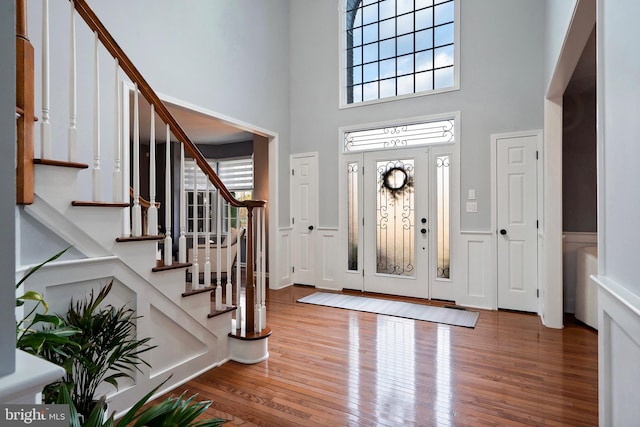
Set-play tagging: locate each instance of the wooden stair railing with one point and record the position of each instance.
(96, 26)
(24, 107)
(145, 204)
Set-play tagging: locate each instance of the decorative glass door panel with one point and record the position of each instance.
(396, 229)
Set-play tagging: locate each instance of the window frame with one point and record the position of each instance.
(343, 63)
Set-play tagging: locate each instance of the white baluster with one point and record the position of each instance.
(182, 240)
(97, 174)
(45, 126)
(195, 277)
(263, 270)
(117, 141)
(137, 210)
(218, 251)
(258, 275)
(73, 130)
(168, 242)
(207, 237)
(152, 213)
(229, 297)
(238, 283)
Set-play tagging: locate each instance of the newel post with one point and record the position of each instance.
(251, 286)
(25, 107)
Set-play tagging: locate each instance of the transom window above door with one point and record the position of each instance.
(398, 48)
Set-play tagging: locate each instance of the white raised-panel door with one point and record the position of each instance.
(516, 198)
(304, 216)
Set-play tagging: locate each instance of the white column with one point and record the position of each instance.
(263, 268)
(137, 210)
(258, 272)
(238, 282)
(182, 240)
(152, 213)
(218, 251)
(117, 141)
(96, 174)
(195, 268)
(73, 130)
(45, 126)
(168, 242)
(207, 237)
(229, 288)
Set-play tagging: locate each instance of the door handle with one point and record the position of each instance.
(503, 231)
(311, 228)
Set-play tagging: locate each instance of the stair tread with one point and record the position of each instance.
(100, 204)
(61, 163)
(198, 291)
(174, 266)
(220, 312)
(242, 335)
(125, 239)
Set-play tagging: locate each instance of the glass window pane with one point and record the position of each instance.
(423, 3)
(424, 40)
(405, 23)
(424, 61)
(356, 55)
(352, 216)
(357, 93)
(370, 91)
(387, 88)
(405, 85)
(357, 19)
(424, 18)
(444, 35)
(370, 14)
(388, 48)
(404, 6)
(405, 65)
(395, 244)
(387, 29)
(444, 13)
(387, 9)
(370, 33)
(442, 202)
(424, 81)
(443, 56)
(405, 44)
(370, 72)
(357, 37)
(388, 68)
(370, 52)
(357, 75)
(444, 78)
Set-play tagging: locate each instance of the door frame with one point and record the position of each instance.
(538, 134)
(292, 158)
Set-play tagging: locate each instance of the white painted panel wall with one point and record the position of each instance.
(477, 284)
(285, 259)
(329, 262)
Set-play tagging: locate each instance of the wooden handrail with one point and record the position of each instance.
(143, 202)
(132, 72)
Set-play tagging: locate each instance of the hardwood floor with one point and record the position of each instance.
(333, 367)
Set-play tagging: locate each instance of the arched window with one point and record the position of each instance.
(398, 48)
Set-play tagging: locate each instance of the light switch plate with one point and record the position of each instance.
(472, 207)
(472, 194)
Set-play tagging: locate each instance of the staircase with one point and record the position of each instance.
(196, 325)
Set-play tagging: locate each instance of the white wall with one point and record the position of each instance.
(501, 89)
(227, 57)
(7, 185)
(558, 14)
(618, 132)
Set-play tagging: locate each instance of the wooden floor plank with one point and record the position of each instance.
(335, 367)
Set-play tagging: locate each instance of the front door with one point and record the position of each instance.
(396, 222)
(516, 196)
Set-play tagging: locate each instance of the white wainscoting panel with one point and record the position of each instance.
(477, 287)
(618, 354)
(571, 242)
(284, 259)
(329, 262)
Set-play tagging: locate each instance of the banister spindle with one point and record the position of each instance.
(168, 242)
(136, 215)
(182, 240)
(45, 126)
(263, 269)
(117, 141)
(218, 295)
(73, 111)
(207, 237)
(195, 268)
(238, 283)
(96, 174)
(152, 212)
